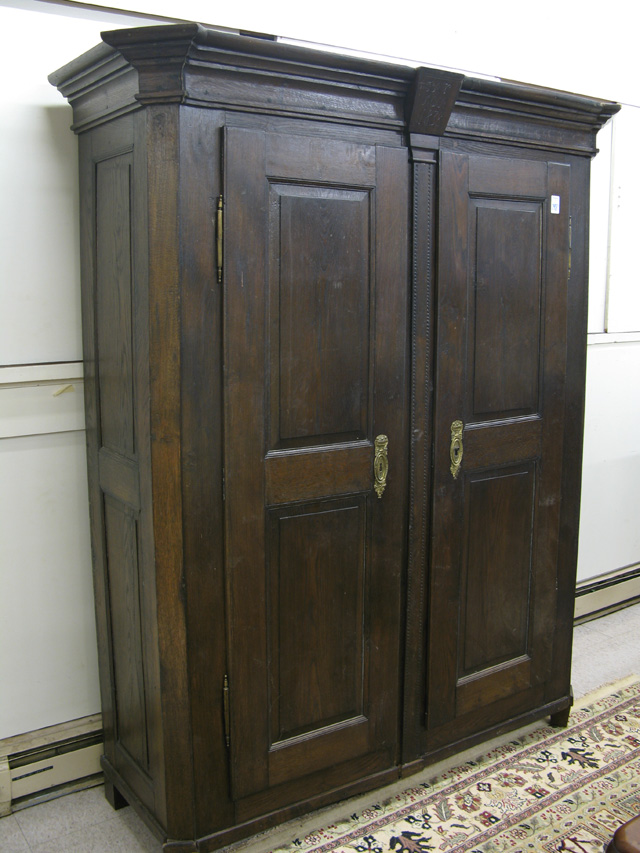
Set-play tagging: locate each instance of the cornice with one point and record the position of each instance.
(193, 65)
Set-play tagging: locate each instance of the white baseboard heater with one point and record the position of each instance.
(40, 765)
(605, 593)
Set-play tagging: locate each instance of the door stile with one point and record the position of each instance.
(244, 403)
(446, 549)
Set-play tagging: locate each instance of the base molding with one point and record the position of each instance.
(118, 788)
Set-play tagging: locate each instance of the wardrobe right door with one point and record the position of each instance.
(504, 264)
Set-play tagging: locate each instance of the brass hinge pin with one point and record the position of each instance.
(225, 706)
(219, 233)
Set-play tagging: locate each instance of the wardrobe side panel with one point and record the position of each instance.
(114, 323)
(559, 683)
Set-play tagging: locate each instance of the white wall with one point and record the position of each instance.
(48, 661)
(609, 528)
(47, 636)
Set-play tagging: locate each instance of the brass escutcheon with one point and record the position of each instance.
(456, 449)
(380, 464)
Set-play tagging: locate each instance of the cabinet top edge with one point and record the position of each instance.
(177, 50)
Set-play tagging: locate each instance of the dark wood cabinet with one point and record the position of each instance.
(334, 324)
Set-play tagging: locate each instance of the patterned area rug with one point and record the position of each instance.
(551, 790)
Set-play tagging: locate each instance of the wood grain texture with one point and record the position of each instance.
(506, 310)
(496, 572)
(309, 474)
(559, 680)
(114, 304)
(321, 335)
(244, 407)
(165, 447)
(326, 594)
(502, 509)
(424, 256)
(126, 627)
(330, 364)
(202, 461)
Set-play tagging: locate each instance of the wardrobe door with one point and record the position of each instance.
(498, 433)
(315, 282)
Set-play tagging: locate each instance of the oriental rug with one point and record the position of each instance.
(550, 790)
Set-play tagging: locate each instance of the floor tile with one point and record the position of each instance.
(12, 839)
(120, 834)
(65, 815)
(623, 625)
(605, 650)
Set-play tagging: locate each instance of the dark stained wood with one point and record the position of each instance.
(244, 406)
(165, 448)
(114, 797)
(422, 352)
(316, 473)
(500, 443)
(119, 478)
(506, 341)
(231, 425)
(113, 309)
(128, 673)
(560, 719)
(507, 284)
(332, 365)
(559, 681)
(328, 690)
(201, 306)
(496, 567)
(319, 335)
(431, 100)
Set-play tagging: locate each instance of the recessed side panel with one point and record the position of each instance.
(317, 576)
(121, 530)
(497, 566)
(319, 313)
(506, 309)
(114, 306)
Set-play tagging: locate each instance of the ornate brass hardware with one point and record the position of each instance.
(219, 239)
(456, 449)
(380, 464)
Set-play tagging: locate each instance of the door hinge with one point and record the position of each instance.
(570, 241)
(219, 236)
(225, 708)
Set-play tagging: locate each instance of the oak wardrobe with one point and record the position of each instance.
(334, 318)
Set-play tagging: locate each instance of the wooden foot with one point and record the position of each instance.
(560, 720)
(114, 796)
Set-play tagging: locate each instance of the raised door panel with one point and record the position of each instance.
(320, 330)
(315, 360)
(499, 403)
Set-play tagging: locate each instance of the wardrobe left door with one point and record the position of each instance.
(315, 339)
